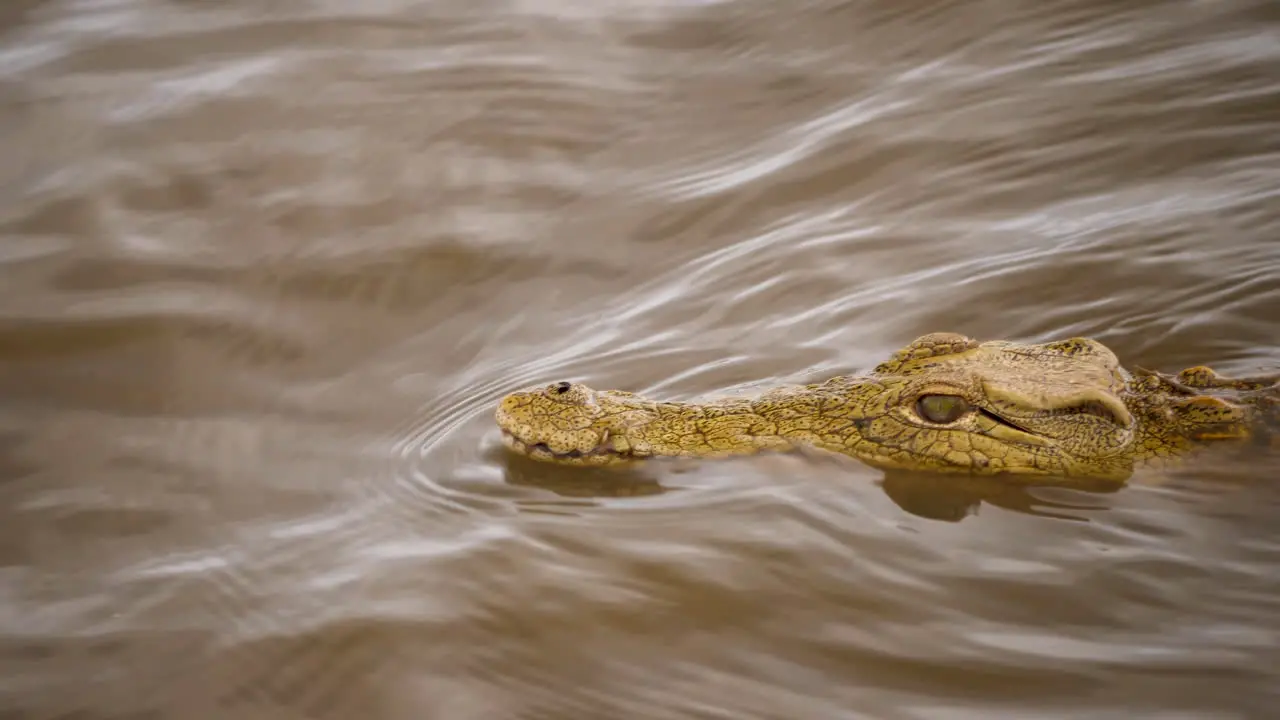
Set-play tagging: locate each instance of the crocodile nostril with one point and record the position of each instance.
(562, 387)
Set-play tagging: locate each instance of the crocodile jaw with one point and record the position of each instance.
(603, 454)
(565, 424)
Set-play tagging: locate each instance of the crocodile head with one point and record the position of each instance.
(944, 402)
(571, 424)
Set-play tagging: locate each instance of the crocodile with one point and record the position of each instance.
(944, 403)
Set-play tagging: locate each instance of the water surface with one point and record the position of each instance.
(265, 273)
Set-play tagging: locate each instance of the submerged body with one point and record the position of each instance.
(943, 403)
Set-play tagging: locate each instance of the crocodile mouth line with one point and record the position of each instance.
(1004, 421)
(527, 448)
(1020, 434)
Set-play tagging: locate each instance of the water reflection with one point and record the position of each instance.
(952, 499)
(949, 498)
(582, 482)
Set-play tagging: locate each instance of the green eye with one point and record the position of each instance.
(941, 409)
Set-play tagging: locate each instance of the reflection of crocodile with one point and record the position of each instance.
(943, 403)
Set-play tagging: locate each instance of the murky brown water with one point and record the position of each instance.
(266, 272)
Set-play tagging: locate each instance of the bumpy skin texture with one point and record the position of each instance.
(1063, 408)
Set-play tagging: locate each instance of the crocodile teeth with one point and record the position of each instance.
(516, 443)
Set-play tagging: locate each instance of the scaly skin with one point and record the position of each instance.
(1063, 408)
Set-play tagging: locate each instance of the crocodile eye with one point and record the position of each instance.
(561, 388)
(941, 409)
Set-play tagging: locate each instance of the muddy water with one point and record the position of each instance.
(265, 273)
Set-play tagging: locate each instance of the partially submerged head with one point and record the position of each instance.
(947, 402)
(944, 402)
(569, 423)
